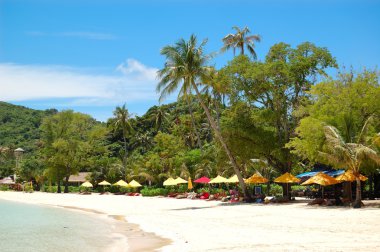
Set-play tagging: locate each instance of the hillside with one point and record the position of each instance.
(19, 126)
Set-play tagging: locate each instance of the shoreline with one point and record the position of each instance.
(127, 233)
(197, 225)
(138, 240)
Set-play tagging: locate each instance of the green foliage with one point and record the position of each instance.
(69, 141)
(4, 188)
(53, 189)
(264, 95)
(345, 103)
(19, 127)
(309, 140)
(28, 187)
(151, 191)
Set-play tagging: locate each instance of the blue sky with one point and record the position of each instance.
(91, 56)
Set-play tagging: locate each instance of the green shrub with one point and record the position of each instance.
(151, 191)
(275, 189)
(4, 188)
(202, 190)
(182, 188)
(51, 189)
(298, 188)
(74, 189)
(125, 189)
(28, 187)
(218, 190)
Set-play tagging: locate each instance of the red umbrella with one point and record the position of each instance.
(203, 180)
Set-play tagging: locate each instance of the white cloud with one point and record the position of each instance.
(134, 68)
(132, 82)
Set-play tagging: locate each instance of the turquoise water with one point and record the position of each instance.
(25, 227)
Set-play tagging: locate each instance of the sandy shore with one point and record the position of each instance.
(196, 225)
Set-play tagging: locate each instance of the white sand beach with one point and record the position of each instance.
(197, 225)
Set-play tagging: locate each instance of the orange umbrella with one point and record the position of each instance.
(256, 179)
(287, 178)
(321, 179)
(349, 176)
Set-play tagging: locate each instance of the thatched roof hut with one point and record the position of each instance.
(80, 177)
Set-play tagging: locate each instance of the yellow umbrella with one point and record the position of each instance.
(321, 179)
(287, 178)
(180, 180)
(233, 179)
(104, 183)
(134, 183)
(121, 183)
(256, 179)
(170, 181)
(189, 184)
(349, 176)
(218, 179)
(86, 184)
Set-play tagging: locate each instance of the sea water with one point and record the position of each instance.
(26, 227)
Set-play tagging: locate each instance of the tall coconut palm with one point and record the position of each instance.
(240, 40)
(350, 155)
(122, 117)
(160, 117)
(185, 66)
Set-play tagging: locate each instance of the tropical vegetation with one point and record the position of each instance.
(284, 109)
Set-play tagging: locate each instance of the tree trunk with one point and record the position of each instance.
(193, 123)
(247, 196)
(125, 152)
(358, 198)
(59, 186)
(370, 181)
(66, 184)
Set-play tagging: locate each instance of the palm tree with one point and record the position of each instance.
(240, 40)
(350, 155)
(160, 116)
(185, 66)
(122, 117)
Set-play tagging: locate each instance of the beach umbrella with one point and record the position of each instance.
(233, 179)
(121, 183)
(218, 179)
(189, 184)
(86, 184)
(287, 179)
(170, 181)
(349, 176)
(202, 180)
(104, 183)
(134, 183)
(321, 179)
(256, 179)
(180, 180)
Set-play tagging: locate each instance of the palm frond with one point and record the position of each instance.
(364, 130)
